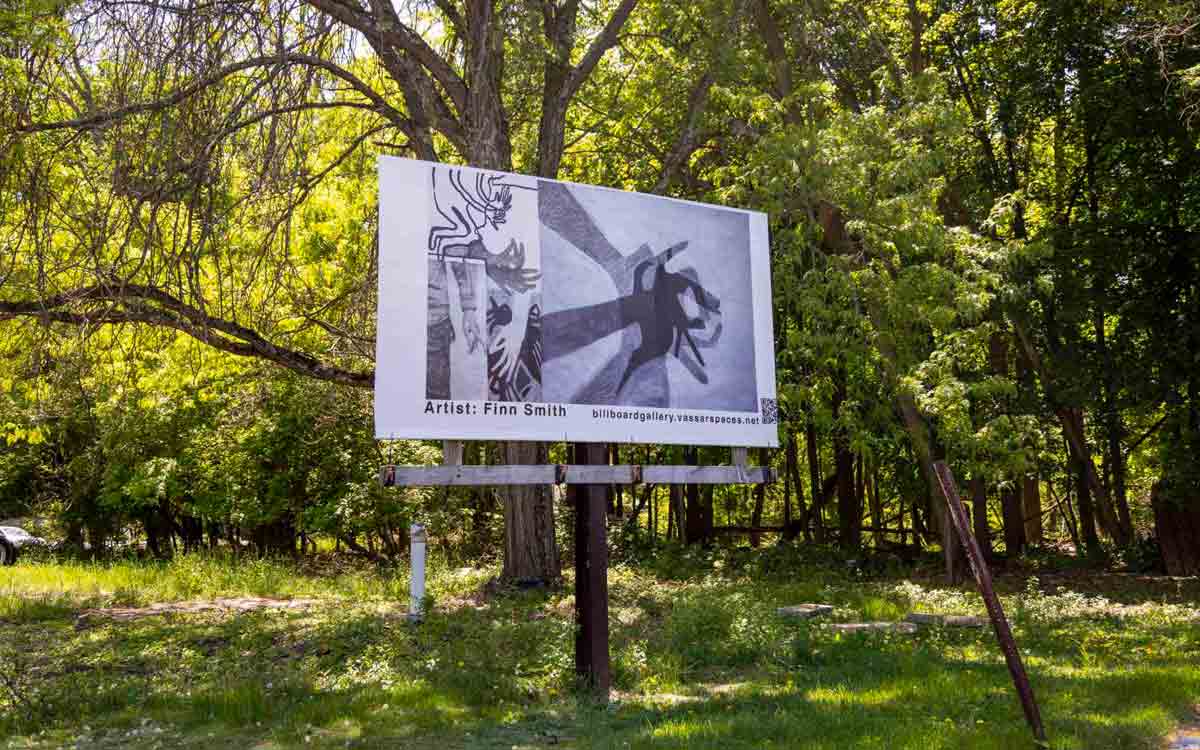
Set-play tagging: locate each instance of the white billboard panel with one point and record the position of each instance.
(518, 308)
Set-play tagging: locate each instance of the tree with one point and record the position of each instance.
(208, 136)
(984, 225)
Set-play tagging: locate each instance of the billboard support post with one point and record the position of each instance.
(983, 576)
(513, 307)
(587, 481)
(591, 578)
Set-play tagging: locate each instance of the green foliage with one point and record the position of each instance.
(938, 177)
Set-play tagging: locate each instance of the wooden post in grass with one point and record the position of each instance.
(591, 577)
(587, 481)
(983, 576)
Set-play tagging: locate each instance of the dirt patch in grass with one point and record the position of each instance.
(1185, 735)
(236, 604)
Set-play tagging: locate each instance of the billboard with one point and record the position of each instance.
(518, 308)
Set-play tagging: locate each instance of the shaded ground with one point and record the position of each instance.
(699, 661)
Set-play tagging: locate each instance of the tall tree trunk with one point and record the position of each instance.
(530, 548)
(918, 525)
(480, 498)
(674, 495)
(1071, 419)
(1065, 509)
(1031, 502)
(680, 512)
(694, 515)
(789, 463)
(760, 495)
(1014, 520)
(953, 554)
(979, 515)
(916, 47)
(486, 120)
(843, 459)
(1177, 528)
(860, 486)
(1010, 499)
(876, 507)
(848, 525)
(651, 512)
(1087, 517)
(706, 513)
(1114, 458)
(150, 526)
(860, 496)
(814, 477)
(800, 524)
(1106, 514)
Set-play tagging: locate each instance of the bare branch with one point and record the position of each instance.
(601, 44)
(688, 139)
(384, 28)
(453, 16)
(131, 303)
(193, 88)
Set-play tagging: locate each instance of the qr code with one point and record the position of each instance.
(770, 411)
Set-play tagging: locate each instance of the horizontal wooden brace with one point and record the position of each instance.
(440, 476)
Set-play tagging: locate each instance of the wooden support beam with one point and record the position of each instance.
(460, 475)
(591, 577)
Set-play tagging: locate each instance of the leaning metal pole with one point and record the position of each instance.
(983, 577)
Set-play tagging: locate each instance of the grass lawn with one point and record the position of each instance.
(699, 661)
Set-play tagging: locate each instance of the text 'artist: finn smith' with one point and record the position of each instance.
(495, 408)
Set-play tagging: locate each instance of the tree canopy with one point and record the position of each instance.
(984, 248)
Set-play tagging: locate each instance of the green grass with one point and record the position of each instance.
(699, 661)
(199, 577)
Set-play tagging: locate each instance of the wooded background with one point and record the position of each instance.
(984, 249)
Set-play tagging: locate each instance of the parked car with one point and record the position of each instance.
(12, 540)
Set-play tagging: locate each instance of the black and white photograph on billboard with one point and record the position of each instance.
(546, 310)
(645, 308)
(484, 311)
(455, 361)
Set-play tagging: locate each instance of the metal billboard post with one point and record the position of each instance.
(983, 577)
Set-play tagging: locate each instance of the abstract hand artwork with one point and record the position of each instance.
(473, 224)
(660, 315)
(662, 312)
(658, 337)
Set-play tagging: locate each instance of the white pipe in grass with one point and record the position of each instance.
(417, 540)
